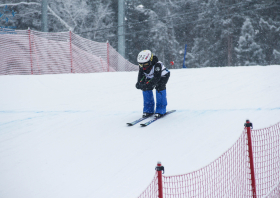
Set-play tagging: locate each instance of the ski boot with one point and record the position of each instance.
(158, 115)
(145, 115)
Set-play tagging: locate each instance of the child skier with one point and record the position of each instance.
(152, 74)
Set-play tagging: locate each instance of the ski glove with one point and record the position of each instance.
(141, 86)
(138, 85)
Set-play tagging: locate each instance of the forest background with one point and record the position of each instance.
(217, 32)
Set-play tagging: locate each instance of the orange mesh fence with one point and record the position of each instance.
(275, 192)
(230, 174)
(266, 152)
(152, 190)
(32, 52)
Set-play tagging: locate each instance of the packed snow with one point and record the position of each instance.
(66, 135)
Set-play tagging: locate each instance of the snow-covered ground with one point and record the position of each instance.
(66, 135)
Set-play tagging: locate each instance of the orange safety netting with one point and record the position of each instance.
(32, 52)
(229, 175)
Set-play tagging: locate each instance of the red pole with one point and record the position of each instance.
(70, 40)
(108, 55)
(249, 125)
(30, 49)
(160, 168)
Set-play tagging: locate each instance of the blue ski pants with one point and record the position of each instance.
(149, 103)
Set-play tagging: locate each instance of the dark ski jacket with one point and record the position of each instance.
(155, 76)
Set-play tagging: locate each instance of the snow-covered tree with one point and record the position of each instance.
(92, 20)
(167, 10)
(206, 48)
(214, 30)
(248, 51)
(198, 57)
(27, 14)
(276, 58)
(74, 12)
(148, 27)
(137, 29)
(268, 36)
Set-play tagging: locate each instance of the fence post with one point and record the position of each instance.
(71, 57)
(248, 126)
(108, 55)
(30, 49)
(160, 168)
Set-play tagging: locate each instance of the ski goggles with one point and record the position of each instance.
(144, 64)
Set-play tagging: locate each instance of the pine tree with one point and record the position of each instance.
(137, 29)
(207, 50)
(268, 36)
(248, 51)
(149, 26)
(276, 58)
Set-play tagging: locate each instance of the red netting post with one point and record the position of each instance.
(30, 49)
(108, 55)
(71, 57)
(160, 168)
(248, 126)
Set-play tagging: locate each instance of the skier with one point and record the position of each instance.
(152, 74)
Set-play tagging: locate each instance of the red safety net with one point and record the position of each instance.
(266, 152)
(32, 52)
(152, 190)
(275, 192)
(229, 175)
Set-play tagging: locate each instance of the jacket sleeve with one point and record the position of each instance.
(157, 76)
(141, 75)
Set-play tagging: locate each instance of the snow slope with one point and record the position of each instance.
(66, 135)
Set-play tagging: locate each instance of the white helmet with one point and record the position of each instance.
(145, 58)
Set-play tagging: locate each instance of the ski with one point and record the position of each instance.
(155, 119)
(137, 121)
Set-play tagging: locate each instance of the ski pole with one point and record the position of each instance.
(142, 79)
